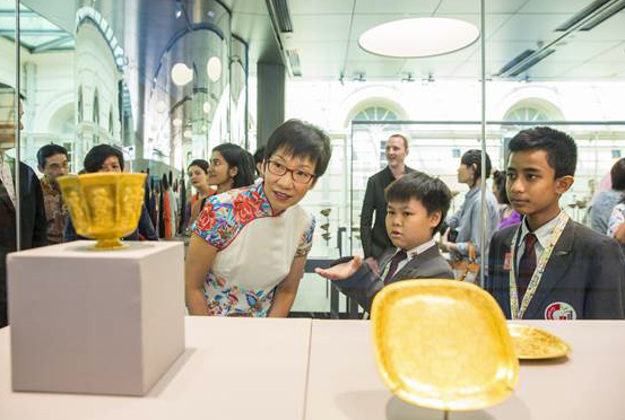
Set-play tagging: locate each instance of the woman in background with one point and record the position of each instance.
(105, 158)
(198, 175)
(507, 215)
(467, 219)
(230, 166)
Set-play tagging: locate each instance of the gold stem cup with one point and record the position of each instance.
(104, 206)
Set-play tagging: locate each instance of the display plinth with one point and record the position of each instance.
(98, 322)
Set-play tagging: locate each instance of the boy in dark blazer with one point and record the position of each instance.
(550, 267)
(417, 205)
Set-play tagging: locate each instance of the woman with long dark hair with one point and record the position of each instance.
(230, 167)
(468, 247)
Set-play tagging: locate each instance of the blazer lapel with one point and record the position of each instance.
(558, 264)
(418, 259)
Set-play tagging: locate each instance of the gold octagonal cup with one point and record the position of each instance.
(104, 206)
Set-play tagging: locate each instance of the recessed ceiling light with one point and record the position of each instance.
(160, 106)
(213, 68)
(177, 122)
(181, 74)
(206, 107)
(419, 37)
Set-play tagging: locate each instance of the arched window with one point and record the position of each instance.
(376, 133)
(527, 113)
(533, 110)
(375, 113)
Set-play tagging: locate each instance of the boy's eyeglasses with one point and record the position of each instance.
(298, 176)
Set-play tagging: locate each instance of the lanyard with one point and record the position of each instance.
(516, 311)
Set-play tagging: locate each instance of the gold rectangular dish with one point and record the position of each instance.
(532, 343)
(443, 344)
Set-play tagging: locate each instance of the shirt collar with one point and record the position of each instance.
(420, 249)
(543, 233)
(49, 186)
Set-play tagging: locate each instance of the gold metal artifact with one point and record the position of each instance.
(104, 206)
(443, 344)
(533, 343)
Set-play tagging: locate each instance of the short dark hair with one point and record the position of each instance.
(200, 163)
(560, 147)
(401, 136)
(617, 175)
(236, 156)
(474, 157)
(303, 140)
(98, 154)
(50, 150)
(433, 194)
(499, 181)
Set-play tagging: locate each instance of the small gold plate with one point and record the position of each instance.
(532, 343)
(443, 344)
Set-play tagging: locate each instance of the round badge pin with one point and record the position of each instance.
(560, 311)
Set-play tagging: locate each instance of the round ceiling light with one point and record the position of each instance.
(161, 107)
(213, 68)
(418, 37)
(187, 134)
(177, 122)
(206, 107)
(181, 74)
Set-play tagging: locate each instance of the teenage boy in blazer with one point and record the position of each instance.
(550, 267)
(417, 205)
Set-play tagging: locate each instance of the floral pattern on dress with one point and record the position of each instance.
(221, 220)
(224, 215)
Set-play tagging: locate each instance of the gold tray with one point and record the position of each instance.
(533, 343)
(443, 344)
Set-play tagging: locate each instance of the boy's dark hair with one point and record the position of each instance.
(236, 156)
(200, 163)
(50, 150)
(474, 157)
(303, 140)
(401, 136)
(617, 175)
(98, 154)
(499, 181)
(560, 147)
(433, 194)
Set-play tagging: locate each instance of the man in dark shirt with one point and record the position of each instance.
(373, 231)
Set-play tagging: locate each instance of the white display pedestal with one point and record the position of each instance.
(101, 322)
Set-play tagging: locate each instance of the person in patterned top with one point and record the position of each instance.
(249, 245)
(53, 162)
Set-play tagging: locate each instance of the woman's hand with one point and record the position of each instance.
(341, 271)
(444, 243)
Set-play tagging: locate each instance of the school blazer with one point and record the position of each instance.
(584, 277)
(365, 283)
